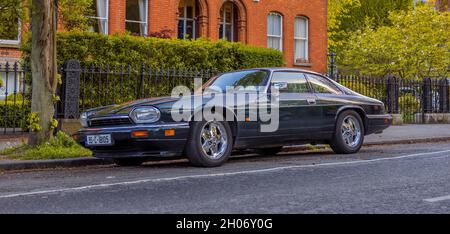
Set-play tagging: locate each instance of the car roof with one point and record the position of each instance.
(285, 69)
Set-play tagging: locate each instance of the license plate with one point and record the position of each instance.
(92, 140)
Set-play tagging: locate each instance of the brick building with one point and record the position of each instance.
(296, 27)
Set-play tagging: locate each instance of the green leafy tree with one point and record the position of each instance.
(73, 14)
(338, 11)
(11, 11)
(348, 16)
(416, 45)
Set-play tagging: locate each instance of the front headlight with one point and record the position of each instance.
(146, 114)
(83, 119)
(85, 116)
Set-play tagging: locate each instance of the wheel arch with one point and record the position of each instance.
(225, 111)
(358, 110)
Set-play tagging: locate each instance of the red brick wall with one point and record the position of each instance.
(314, 10)
(252, 24)
(6, 52)
(163, 14)
(116, 22)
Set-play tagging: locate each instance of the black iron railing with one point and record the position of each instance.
(410, 98)
(105, 85)
(15, 98)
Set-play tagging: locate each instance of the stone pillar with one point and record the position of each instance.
(70, 97)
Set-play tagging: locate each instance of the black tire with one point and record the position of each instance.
(338, 143)
(194, 151)
(128, 162)
(269, 151)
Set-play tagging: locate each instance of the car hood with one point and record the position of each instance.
(163, 103)
(125, 108)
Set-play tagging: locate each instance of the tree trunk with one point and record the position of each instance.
(43, 66)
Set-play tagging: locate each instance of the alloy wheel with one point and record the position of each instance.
(214, 139)
(351, 131)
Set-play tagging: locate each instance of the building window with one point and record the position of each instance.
(275, 31)
(228, 16)
(136, 20)
(100, 20)
(187, 28)
(10, 32)
(301, 40)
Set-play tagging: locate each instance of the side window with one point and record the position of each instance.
(322, 85)
(293, 82)
(241, 80)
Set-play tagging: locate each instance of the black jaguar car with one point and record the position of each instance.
(303, 107)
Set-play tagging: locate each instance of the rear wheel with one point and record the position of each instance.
(269, 151)
(210, 143)
(349, 133)
(128, 162)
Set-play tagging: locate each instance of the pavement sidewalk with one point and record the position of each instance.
(410, 133)
(405, 134)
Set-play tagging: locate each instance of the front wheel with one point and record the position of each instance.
(210, 143)
(349, 133)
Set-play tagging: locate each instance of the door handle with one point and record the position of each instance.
(311, 101)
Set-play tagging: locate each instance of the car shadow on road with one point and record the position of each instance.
(243, 156)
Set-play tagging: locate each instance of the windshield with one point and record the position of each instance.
(251, 80)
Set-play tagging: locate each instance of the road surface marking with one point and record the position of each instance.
(95, 186)
(437, 199)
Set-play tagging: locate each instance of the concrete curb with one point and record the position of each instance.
(56, 163)
(81, 162)
(408, 141)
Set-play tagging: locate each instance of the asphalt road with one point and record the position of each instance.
(380, 179)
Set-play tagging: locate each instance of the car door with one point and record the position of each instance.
(328, 101)
(296, 104)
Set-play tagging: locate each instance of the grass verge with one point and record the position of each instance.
(60, 147)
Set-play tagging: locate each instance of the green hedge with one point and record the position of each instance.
(94, 48)
(14, 115)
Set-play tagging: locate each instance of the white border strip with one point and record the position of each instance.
(437, 199)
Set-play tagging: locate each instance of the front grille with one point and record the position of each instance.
(109, 122)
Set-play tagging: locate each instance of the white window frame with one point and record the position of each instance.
(224, 22)
(19, 36)
(106, 19)
(281, 29)
(304, 39)
(145, 23)
(185, 19)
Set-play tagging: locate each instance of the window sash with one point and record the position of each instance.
(275, 30)
(185, 21)
(302, 46)
(301, 39)
(144, 23)
(301, 27)
(104, 20)
(16, 41)
(224, 23)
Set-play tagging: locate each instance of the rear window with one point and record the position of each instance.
(322, 85)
